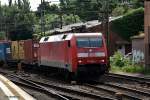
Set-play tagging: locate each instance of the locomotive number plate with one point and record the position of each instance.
(91, 61)
(91, 54)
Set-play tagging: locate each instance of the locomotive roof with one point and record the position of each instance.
(63, 37)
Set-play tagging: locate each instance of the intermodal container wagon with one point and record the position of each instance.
(30, 51)
(17, 48)
(5, 52)
(14, 49)
(21, 50)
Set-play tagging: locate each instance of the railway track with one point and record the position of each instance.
(140, 80)
(114, 89)
(122, 90)
(59, 92)
(31, 85)
(99, 91)
(114, 92)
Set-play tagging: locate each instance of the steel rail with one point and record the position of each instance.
(128, 89)
(113, 92)
(75, 91)
(41, 85)
(42, 90)
(131, 78)
(38, 87)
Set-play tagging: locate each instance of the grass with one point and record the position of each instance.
(121, 64)
(130, 69)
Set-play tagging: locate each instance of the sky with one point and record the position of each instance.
(34, 3)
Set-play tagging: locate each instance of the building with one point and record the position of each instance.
(138, 48)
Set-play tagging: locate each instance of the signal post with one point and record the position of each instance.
(147, 33)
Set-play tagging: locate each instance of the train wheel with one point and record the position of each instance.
(1, 63)
(67, 75)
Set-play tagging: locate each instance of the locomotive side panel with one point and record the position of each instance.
(55, 54)
(73, 53)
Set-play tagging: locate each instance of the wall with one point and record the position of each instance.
(138, 50)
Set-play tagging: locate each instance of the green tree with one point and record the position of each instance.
(87, 9)
(118, 11)
(10, 3)
(138, 3)
(130, 24)
(17, 20)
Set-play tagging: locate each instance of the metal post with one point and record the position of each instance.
(42, 18)
(147, 33)
(107, 23)
(104, 11)
(61, 20)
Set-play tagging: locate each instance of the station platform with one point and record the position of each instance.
(10, 91)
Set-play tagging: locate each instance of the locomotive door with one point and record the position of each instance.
(68, 56)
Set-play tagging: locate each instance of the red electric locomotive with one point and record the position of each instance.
(76, 53)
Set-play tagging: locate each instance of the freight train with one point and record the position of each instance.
(76, 53)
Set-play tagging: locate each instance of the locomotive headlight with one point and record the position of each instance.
(100, 54)
(80, 61)
(102, 60)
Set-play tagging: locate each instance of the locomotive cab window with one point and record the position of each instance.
(69, 44)
(46, 38)
(89, 42)
(64, 37)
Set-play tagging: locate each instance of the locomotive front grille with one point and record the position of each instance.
(91, 54)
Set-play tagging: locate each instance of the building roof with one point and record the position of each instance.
(88, 24)
(63, 37)
(122, 42)
(140, 36)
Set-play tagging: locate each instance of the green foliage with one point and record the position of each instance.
(130, 69)
(87, 9)
(48, 9)
(130, 24)
(119, 60)
(121, 64)
(69, 19)
(138, 3)
(119, 10)
(133, 69)
(17, 20)
(2, 35)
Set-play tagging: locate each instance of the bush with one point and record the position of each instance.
(130, 24)
(119, 60)
(133, 69)
(119, 63)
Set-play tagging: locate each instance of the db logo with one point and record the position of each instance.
(90, 50)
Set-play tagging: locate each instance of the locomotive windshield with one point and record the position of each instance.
(89, 42)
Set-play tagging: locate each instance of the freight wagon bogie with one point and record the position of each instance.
(24, 52)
